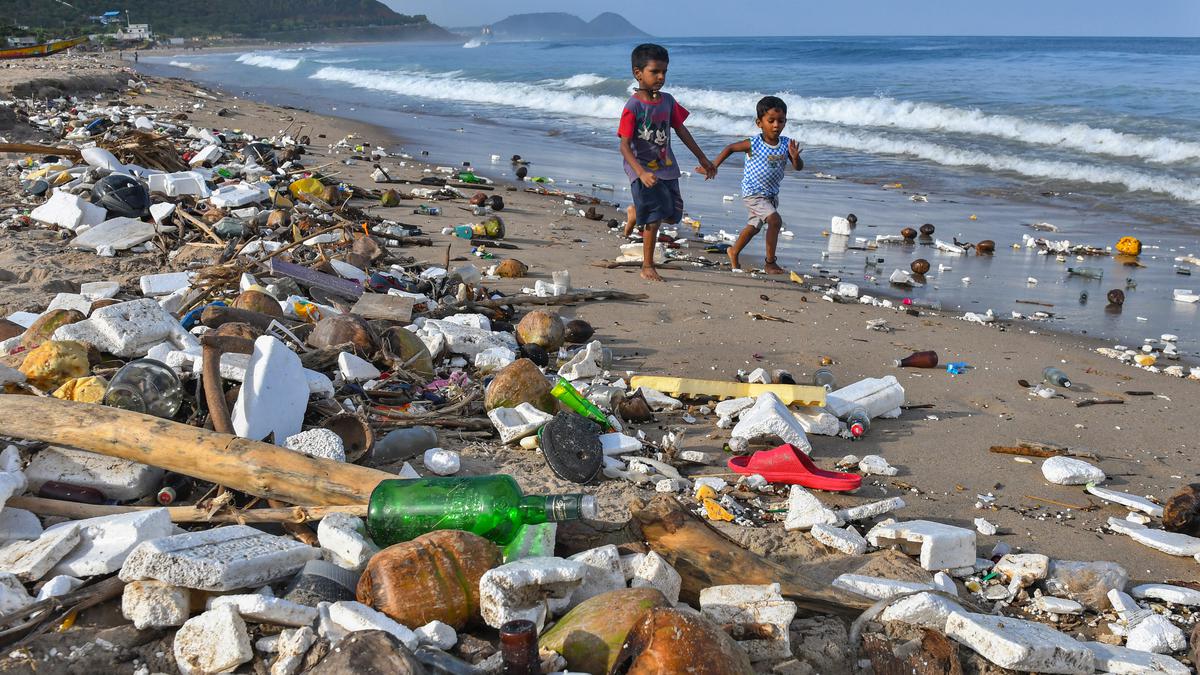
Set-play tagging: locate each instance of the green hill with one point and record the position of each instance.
(267, 19)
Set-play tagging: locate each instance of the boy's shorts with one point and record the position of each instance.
(760, 207)
(661, 203)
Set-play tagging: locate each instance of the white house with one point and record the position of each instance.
(23, 41)
(135, 31)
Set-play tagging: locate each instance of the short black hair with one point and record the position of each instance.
(645, 53)
(770, 103)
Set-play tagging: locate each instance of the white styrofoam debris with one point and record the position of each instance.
(769, 418)
(874, 465)
(519, 422)
(655, 572)
(1125, 499)
(1171, 543)
(356, 369)
(441, 461)
(213, 642)
(1020, 645)
(1125, 661)
(437, 634)
(805, 510)
(291, 646)
(262, 609)
(221, 559)
(353, 616)
(938, 545)
(153, 604)
(274, 396)
(872, 509)
(12, 594)
(602, 573)
(319, 443)
(526, 588)
(105, 541)
(1054, 605)
(1069, 471)
(1176, 595)
(31, 560)
(1023, 568)
(115, 478)
(18, 525)
(165, 283)
(1156, 634)
(761, 604)
(878, 588)
(846, 540)
(344, 536)
(928, 610)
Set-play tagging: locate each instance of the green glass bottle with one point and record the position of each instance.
(492, 507)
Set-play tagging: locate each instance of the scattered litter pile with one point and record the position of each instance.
(231, 453)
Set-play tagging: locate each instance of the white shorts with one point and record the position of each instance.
(760, 207)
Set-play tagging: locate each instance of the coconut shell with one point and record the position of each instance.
(239, 329)
(45, 325)
(536, 354)
(908, 233)
(578, 331)
(343, 328)
(478, 199)
(53, 363)
(1116, 297)
(257, 301)
(985, 247)
(279, 219)
(919, 266)
(590, 636)
(368, 248)
(404, 345)
(104, 302)
(511, 268)
(434, 577)
(668, 641)
(927, 229)
(520, 382)
(541, 328)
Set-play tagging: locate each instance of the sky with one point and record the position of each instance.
(1160, 18)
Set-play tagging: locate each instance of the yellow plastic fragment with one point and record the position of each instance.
(790, 394)
(715, 511)
(1145, 359)
(705, 492)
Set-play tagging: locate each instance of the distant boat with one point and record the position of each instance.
(44, 49)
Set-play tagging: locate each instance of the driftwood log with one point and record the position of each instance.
(704, 557)
(184, 514)
(260, 469)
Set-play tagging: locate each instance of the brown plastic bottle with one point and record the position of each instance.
(519, 648)
(919, 360)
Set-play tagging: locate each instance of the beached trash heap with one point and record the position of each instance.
(298, 354)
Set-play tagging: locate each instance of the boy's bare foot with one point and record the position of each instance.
(733, 260)
(650, 274)
(772, 268)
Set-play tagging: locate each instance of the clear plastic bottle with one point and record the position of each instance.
(402, 444)
(1056, 377)
(146, 386)
(824, 378)
(858, 422)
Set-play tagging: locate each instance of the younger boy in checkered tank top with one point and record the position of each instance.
(767, 156)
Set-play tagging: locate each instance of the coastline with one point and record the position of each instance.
(700, 323)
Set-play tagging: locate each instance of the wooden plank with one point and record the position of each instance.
(790, 394)
(383, 306)
(312, 278)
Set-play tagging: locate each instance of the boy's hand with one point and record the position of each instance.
(707, 169)
(648, 179)
(794, 150)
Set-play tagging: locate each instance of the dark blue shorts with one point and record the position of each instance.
(659, 204)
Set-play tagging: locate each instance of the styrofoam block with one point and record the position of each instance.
(1023, 568)
(1125, 499)
(153, 604)
(770, 418)
(871, 509)
(356, 369)
(761, 604)
(128, 329)
(213, 642)
(68, 211)
(519, 422)
(655, 572)
(353, 616)
(166, 283)
(116, 234)
(262, 609)
(1176, 595)
(928, 610)
(240, 194)
(805, 510)
(1020, 645)
(116, 478)
(494, 359)
(466, 340)
(846, 540)
(520, 590)
(75, 301)
(878, 395)
(58, 585)
(585, 364)
(437, 634)
(938, 545)
(291, 646)
(1156, 634)
(12, 594)
(1171, 543)
(344, 536)
(222, 559)
(180, 183)
(105, 541)
(274, 397)
(161, 211)
(602, 573)
(1124, 661)
(1054, 605)
(97, 290)
(441, 461)
(322, 443)
(18, 525)
(31, 560)
(878, 588)
(209, 153)
(1071, 471)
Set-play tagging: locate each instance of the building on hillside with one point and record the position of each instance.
(23, 41)
(176, 41)
(107, 18)
(135, 31)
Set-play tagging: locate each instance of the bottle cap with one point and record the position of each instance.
(857, 430)
(166, 495)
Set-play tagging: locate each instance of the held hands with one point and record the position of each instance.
(648, 179)
(707, 169)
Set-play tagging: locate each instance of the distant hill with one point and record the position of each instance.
(268, 19)
(560, 25)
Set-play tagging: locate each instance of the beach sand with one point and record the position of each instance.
(697, 324)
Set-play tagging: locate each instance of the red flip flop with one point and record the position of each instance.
(787, 464)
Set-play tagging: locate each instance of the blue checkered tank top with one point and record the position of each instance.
(765, 165)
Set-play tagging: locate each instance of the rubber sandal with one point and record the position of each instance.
(787, 464)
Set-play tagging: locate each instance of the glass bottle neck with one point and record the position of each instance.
(553, 508)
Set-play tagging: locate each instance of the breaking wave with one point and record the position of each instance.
(269, 61)
(722, 113)
(583, 81)
(186, 65)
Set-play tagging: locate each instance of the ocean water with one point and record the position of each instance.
(1100, 137)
